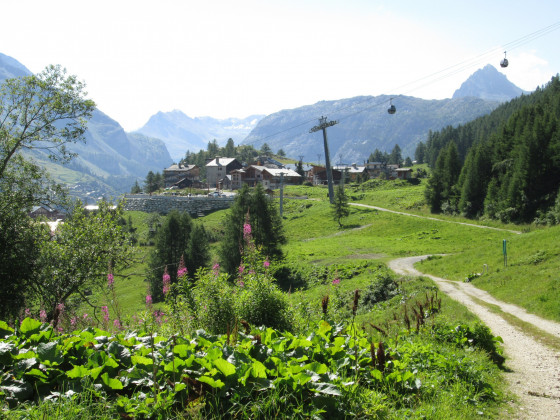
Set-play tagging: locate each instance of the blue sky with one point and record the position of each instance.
(237, 58)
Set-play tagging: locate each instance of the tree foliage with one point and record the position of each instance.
(511, 169)
(40, 115)
(178, 237)
(79, 256)
(252, 206)
(340, 208)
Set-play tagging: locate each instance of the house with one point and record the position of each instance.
(404, 173)
(46, 212)
(218, 168)
(270, 178)
(353, 172)
(181, 175)
(319, 174)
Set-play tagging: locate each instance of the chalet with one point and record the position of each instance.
(404, 173)
(218, 168)
(270, 178)
(46, 212)
(353, 172)
(181, 175)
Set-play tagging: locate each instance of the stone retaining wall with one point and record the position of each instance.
(163, 204)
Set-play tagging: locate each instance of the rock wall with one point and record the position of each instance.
(163, 204)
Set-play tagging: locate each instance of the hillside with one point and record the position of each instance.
(364, 125)
(110, 160)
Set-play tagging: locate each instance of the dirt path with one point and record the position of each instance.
(533, 369)
(432, 218)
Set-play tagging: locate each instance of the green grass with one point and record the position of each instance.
(530, 279)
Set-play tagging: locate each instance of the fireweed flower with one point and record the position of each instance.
(117, 323)
(216, 269)
(241, 283)
(27, 312)
(246, 230)
(43, 315)
(105, 311)
(166, 281)
(149, 300)
(110, 280)
(241, 269)
(336, 281)
(73, 321)
(182, 269)
(266, 263)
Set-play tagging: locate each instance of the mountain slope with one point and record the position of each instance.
(110, 160)
(182, 133)
(364, 125)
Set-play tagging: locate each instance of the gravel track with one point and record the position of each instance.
(532, 369)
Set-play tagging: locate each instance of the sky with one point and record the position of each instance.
(236, 58)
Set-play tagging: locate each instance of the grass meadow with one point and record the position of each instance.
(440, 362)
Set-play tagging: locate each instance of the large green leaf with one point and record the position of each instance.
(111, 382)
(214, 383)
(225, 367)
(141, 360)
(29, 326)
(77, 371)
(49, 354)
(327, 388)
(5, 330)
(258, 370)
(6, 351)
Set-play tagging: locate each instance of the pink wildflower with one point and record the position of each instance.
(73, 321)
(216, 269)
(166, 281)
(148, 300)
(241, 283)
(117, 324)
(182, 269)
(241, 269)
(266, 263)
(27, 312)
(336, 281)
(246, 230)
(105, 311)
(110, 280)
(85, 316)
(43, 315)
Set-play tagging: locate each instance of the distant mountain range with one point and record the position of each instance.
(109, 162)
(112, 160)
(364, 125)
(181, 132)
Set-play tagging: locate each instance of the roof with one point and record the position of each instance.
(181, 168)
(404, 169)
(277, 172)
(222, 162)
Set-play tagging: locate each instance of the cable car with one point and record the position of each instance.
(504, 63)
(391, 110)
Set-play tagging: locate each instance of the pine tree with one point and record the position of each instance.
(261, 213)
(171, 243)
(340, 207)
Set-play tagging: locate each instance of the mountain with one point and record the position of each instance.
(364, 124)
(181, 132)
(488, 83)
(110, 160)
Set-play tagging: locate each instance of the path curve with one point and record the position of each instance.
(534, 369)
(433, 218)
